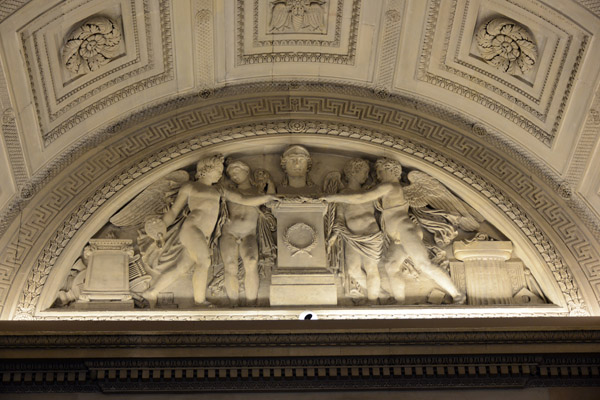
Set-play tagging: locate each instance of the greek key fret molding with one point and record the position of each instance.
(422, 105)
(50, 253)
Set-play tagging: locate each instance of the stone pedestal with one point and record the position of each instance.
(107, 276)
(487, 276)
(301, 276)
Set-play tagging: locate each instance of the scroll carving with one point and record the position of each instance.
(91, 45)
(506, 45)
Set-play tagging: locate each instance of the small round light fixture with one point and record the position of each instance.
(308, 315)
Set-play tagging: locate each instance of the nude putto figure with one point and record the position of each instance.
(202, 197)
(239, 239)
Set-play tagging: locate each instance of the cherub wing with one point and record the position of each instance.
(280, 15)
(153, 200)
(313, 16)
(425, 190)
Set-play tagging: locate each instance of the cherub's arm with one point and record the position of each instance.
(178, 204)
(248, 200)
(360, 198)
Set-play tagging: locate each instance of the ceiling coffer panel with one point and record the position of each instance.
(111, 51)
(518, 60)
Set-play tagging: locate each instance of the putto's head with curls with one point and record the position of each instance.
(388, 169)
(210, 167)
(358, 169)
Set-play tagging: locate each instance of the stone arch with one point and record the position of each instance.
(448, 146)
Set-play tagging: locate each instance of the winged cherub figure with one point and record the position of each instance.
(406, 238)
(202, 198)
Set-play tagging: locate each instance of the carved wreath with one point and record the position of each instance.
(295, 248)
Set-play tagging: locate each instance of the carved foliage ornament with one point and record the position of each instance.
(297, 16)
(91, 45)
(506, 45)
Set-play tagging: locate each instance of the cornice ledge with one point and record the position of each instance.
(319, 339)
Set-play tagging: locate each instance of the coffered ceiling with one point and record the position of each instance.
(428, 50)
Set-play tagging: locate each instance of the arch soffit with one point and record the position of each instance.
(193, 126)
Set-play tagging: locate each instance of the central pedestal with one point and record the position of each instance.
(301, 276)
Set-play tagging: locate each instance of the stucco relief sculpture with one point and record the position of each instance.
(296, 163)
(405, 237)
(355, 224)
(91, 45)
(239, 238)
(297, 16)
(200, 227)
(506, 45)
(300, 228)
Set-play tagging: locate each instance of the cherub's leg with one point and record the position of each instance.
(353, 267)
(393, 260)
(418, 252)
(373, 279)
(184, 264)
(199, 279)
(229, 253)
(249, 252)
(196, 243)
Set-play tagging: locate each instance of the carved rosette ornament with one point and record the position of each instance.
(506, 45)
(91, 45)
(297, 126)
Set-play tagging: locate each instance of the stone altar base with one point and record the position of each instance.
(301, 276)
(106, 284)
(303, 289)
